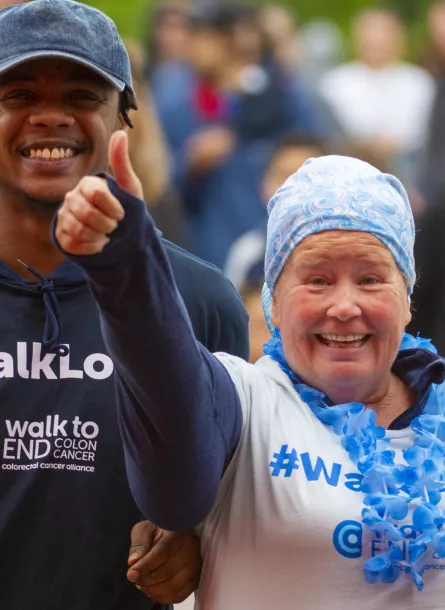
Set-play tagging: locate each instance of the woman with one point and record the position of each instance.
(319, 469)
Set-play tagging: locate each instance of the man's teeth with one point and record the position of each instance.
(342, 338)
(50, 154)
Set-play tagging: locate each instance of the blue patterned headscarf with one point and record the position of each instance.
(337, 193)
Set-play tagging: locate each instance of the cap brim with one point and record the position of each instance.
(17, 61)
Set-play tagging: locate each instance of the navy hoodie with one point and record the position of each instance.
(66, 511)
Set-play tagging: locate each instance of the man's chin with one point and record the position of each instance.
(43, 205)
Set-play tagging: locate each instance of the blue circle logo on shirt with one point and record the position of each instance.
(347, 539)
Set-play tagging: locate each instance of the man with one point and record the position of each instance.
(66, 512)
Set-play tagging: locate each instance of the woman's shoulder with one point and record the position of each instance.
(254, 381)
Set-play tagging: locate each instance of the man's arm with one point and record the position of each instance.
(178, 409)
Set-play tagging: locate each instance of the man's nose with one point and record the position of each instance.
(50, 115)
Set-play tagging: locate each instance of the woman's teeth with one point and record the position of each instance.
(343, 340)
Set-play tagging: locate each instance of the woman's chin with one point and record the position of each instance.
(349, 382)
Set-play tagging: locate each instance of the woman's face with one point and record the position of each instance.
(341, 305)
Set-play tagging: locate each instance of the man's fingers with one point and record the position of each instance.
(162, 552)
(170, 571)
(97, 193)
(82, 230)
(119, 159)
(88, 214)
(174, 591)
(77, 247)
(143, 536)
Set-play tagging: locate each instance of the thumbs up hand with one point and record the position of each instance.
(90, 212)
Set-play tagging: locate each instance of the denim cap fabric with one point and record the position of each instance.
(337, 193)
(66, 29)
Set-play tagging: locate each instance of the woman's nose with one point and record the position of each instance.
(345, 304)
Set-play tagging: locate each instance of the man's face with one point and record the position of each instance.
(56, 119)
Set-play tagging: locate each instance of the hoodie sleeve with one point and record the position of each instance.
(179, 412)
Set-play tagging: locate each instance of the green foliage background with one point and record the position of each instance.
(132, 16)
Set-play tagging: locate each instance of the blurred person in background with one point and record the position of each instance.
(222, 117)
(168, 36)
(322, 48)
(150, 155)
(431, 179)
(6, 3)
(148, 149)
(288, 156)
(428, 299)
(429, 291)
(434, 57)
(382, 102)
(250, 292)
(278, 25)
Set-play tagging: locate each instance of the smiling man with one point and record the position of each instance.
(66, 513)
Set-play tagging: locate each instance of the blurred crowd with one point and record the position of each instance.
(234, 98)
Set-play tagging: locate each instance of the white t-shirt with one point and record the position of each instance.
(393, 102)
(286, 531)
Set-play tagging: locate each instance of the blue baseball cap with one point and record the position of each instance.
(66, 29)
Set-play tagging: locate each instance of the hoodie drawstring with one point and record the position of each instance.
(53, 326)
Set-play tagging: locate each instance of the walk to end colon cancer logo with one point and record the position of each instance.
(348, 542)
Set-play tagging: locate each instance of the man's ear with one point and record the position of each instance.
(121, 123)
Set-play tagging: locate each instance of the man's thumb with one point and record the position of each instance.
(119, 159)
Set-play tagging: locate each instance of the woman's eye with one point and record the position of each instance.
(369, 280)
(318, 281)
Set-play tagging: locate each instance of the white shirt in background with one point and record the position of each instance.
(393, 102)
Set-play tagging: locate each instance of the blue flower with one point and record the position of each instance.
(384, 567)
(379, 525)
(410, 342)
(388, 505)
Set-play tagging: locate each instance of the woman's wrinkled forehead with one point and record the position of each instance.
(329, 249)
(337, 193)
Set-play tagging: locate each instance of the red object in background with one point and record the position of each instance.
(210, 102)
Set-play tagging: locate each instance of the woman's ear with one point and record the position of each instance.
(409, 315)
(275, 314)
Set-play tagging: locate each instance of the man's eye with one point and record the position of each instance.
(20, 96)
(84, 96)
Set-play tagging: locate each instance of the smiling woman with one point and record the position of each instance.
(319, 469)
(341, 306)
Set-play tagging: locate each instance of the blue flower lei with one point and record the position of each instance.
(389, 488)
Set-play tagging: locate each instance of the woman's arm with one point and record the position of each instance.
(179, 412)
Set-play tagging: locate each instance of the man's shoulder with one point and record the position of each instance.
(183, 261)
(217, 313)
(201, 281)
